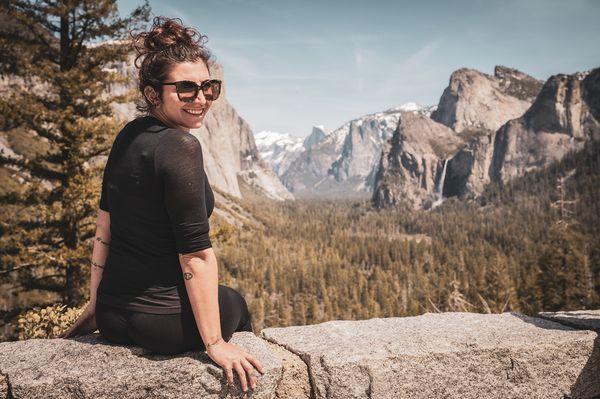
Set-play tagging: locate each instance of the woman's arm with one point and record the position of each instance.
(99, 252)
(200, 274)
(180, 167)
(86, 322)
(201, 281)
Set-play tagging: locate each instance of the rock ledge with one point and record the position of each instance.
(450, 355)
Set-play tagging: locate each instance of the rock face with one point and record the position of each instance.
(317, 135)
(563, 117)
(344, 161)
(476, 101)
(413, 161)
(450, 355)
(507, 126)
(230, 153)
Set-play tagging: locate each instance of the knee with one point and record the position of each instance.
(231, 294)
(232, 299)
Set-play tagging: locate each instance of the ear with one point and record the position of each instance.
(151, 95)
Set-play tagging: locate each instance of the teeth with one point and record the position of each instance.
(194, 111)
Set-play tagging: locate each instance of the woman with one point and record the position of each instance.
(157, 287)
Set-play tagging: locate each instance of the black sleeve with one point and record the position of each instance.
(179, 165)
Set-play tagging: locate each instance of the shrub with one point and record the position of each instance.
(47, 322)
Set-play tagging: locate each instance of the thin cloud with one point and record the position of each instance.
(420, 56)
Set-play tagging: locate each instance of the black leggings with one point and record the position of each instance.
(171, 333)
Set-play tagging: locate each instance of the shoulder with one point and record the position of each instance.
(178, 140)
(177, 150)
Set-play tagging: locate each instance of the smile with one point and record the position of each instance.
(196, 112)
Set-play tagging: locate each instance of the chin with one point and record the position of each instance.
(198, 124)
(194, 125)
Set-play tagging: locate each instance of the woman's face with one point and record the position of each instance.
(180, 114)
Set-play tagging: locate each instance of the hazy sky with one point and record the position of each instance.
(290, 65)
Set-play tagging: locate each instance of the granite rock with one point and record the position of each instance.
(90, 367)
(582, 319)
(446, 355)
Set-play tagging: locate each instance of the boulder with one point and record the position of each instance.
(583, 319)
(91, 367)
(435, 355)
(446, 355)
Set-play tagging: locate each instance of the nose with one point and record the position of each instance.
(200, 99)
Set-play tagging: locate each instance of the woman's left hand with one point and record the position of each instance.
(85, 323)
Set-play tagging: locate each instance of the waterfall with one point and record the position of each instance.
(439, 190)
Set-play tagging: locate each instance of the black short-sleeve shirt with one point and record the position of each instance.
(159, 198)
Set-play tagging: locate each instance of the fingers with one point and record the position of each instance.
(229, 375)
(250, 371)
(256, 363)
(241, 374)
(66, 333)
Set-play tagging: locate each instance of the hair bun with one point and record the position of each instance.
(165, 34)
(160, 49)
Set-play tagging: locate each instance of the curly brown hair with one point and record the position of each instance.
(167, 43)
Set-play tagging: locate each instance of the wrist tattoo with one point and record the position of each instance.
(102, 241)
(97, 265)
(187, 276)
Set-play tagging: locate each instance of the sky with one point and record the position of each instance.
(289, 65)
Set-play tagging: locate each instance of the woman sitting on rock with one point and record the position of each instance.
(157, 287)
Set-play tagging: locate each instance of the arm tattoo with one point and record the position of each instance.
(102, 241)
(97, 265)
(187, 276)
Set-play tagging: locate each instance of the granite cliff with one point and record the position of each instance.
(501, 127)
(343, 162)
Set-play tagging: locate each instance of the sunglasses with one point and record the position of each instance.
(187, 91)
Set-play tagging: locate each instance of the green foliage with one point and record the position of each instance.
(46, 322)
(323, 260)
(57, 56)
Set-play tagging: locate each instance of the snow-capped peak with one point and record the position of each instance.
(278, 149)
(267, 138)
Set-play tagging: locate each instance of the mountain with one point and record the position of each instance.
(409, 168)
(504, 125)
(278, 149)
(474, 100)
(564, 116)
(343, 162)
(317, 135)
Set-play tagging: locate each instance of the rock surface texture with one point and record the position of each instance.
(90, 367)
(508, 124)
(434, 355)
(474, 100)
(343, 162)
(413, 161)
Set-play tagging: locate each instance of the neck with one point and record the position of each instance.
(158, 114)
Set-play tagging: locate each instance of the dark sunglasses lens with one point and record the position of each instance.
(211, 90)
(187, 91)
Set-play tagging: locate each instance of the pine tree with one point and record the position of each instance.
(59, 53)
(565, 276)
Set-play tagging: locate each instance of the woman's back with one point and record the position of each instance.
(159, 199)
